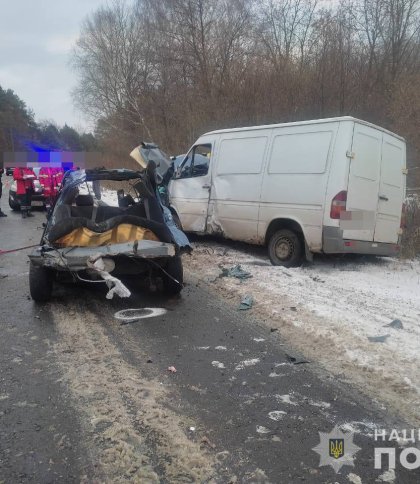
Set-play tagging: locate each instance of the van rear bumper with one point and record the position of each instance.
(334, 243)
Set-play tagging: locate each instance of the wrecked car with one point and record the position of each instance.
(108, 223)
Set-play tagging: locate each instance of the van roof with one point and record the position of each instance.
(303, 123)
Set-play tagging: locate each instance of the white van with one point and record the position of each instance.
(329, 185)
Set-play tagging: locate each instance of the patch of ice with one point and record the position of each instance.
(289, 399)
(246, 363)
(276, 415)
(319, 404)
(354, 478)
(387, 476)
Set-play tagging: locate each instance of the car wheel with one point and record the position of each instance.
(174, 269)
(285, 248)
(40, 283)
(13, 204)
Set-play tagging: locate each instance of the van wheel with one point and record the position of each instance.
(40, 283)
(174, 269)
(285, 248)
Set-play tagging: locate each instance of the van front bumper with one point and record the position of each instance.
(334, 243)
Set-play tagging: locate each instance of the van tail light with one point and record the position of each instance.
(403, 223)
(338, 204)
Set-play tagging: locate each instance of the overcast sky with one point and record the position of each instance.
(36, 37)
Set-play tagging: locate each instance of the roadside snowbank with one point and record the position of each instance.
(329, 309)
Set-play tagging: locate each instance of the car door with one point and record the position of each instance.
(190, 188)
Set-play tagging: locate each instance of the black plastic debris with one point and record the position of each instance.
(246, 303)
(396, 324)
(378, 339)
(296, 360)
(235, 271)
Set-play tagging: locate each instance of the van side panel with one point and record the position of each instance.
(236, 185)
(295, 179)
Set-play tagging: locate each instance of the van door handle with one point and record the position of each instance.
(207, 186)
(383, 197)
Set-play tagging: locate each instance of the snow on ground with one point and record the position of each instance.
(109, 197)
(329, 309)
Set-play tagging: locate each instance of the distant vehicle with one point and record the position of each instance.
(330, 185)
(136, 236)
(38, 198)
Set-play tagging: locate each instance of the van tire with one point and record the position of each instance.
(174, 269)
(285, 248)
(40, 283)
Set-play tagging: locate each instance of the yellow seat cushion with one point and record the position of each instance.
(84, 237)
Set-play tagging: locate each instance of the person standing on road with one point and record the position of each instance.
(47, 183)
(24, 178)
(2, 214)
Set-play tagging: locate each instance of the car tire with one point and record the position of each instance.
(175, 270)
(13, 205)
(40, 283)
(285, 248)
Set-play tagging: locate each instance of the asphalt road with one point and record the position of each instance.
(82, 396)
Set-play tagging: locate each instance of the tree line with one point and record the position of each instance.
(168, 71)
(20, 132)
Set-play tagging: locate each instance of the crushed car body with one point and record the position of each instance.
(109, 222)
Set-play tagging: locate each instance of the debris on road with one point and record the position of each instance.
(115, 286)
(218, 364)
(130, 315)
(358, 298)
(171, 369)
(262, 430)
(235, 271)
(396, 324)
(246, 303)
(246, 363)
(276, 415)
(378, 339)
(296, 360)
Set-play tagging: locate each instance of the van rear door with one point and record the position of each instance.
(391, 190)
(363, 182)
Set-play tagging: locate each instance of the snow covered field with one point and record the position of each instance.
(330, 309)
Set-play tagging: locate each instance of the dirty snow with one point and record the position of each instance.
(109, 197)
(329, 309)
